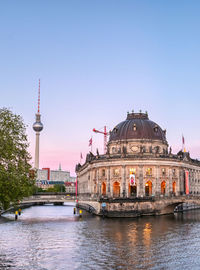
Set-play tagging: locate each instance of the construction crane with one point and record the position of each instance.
(105, 133)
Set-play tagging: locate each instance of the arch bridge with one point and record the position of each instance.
(55, 198)
(44, 198)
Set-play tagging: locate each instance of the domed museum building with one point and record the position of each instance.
(138, 165)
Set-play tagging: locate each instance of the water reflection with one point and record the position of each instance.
(48, 237)
(4, 262)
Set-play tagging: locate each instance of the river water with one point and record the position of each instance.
(52, 238)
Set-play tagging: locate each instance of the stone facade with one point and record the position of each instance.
(137, 164)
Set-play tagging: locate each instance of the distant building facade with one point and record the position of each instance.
(47, 178)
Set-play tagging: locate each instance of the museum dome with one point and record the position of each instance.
(137, 126)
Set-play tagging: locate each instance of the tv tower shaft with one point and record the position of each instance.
(37, 127)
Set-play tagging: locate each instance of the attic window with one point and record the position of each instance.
(134, 127)
(156, 128)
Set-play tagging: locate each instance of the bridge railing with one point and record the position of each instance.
(54, 193)
(48, 197)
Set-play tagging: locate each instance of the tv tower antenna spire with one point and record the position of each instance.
(37, 127)
(39, 97)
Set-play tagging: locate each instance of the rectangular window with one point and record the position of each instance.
(103, 172)
(116, 172)
(149, 171)
(163, 171)
(132, 171)
(174, 172)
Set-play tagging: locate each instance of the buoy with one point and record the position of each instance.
(16, 215)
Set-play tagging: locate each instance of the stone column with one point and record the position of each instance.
(127, 183)
(177, 182)
(111, 184)
(170, 189)
(191, 179)
(123, 191)
(154, 176)
(98, 187)
(141, 187)
(157, 182)
(182, 182)
(89, 182)
(108, 182)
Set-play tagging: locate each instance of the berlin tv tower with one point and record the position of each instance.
(37, 127)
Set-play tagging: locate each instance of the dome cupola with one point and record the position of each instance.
(138, 131)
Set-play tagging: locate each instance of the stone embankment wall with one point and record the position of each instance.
(128, 208)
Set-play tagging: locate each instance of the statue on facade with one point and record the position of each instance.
(124, 150)
(108, 151)
(78, 166)
(90, 157)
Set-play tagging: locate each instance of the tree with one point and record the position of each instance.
(15, 182)
(59, 188)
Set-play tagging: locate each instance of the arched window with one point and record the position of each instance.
(148, 188)
(116, 189)
(174, 187)
(156, 128)
(103, 188)
(163, 187)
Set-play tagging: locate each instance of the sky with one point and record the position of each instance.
(97, 60)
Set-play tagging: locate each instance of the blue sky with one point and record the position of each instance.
(96, 61)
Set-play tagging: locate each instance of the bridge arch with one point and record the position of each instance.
(168, 205)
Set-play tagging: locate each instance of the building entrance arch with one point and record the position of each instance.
(132, 190)
(103, 188)
(163, 187)
(116, 189)
(148, 188)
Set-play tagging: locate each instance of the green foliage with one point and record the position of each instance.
(59, 188)
(15, 182)
(38, 189)
(50, 189)
(56, 188)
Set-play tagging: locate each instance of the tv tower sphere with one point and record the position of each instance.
(37, 127)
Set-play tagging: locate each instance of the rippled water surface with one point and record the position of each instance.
(51, 237)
